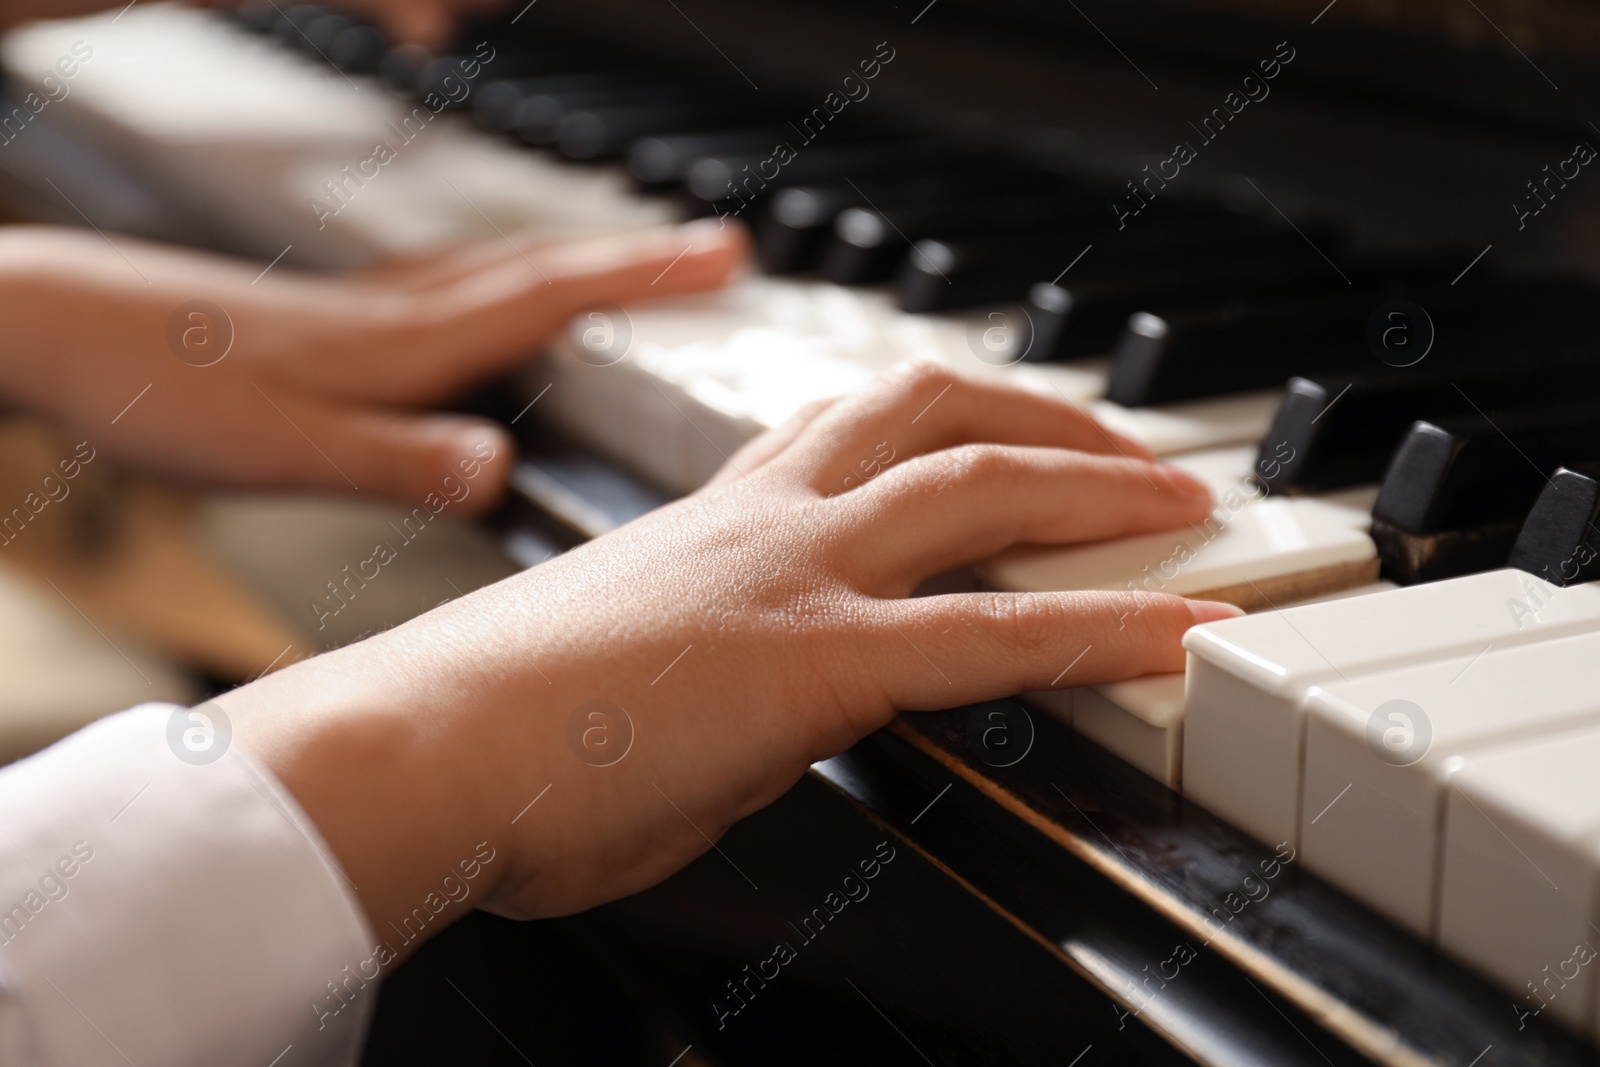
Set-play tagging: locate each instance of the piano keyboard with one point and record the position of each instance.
(1425, 746)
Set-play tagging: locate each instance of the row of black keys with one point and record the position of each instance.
(1193, 298)
(1482, 469)
(954, 229)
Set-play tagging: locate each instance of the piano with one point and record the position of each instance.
(1335, 261)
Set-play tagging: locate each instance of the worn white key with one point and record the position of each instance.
(1519, 894)
(1251, 551)
(1380, 750)
(1243, 724)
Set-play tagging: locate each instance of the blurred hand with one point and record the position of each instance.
(316, 380)
(735, 637)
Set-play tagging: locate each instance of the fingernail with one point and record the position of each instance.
(1183, 482)
(465, 440)
(1211, 611)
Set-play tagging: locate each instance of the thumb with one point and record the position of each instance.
(435, 461)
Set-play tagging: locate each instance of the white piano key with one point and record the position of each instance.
(1244, 725)
(1194, 424)
(453, 184)
(1519, 894)
(1142, 719)
(248, 133)
(1380, 750)
(175, 76)
(1248, 543)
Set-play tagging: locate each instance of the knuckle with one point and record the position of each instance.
(978, 461)
(1028, 624)
(922, 380)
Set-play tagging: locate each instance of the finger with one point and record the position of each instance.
(497, 317)
(445, 266)
(947, 509)
(426, 270)
(432, 461)
(944, 651)
(925, 407)
(645, 265)
(761, 449)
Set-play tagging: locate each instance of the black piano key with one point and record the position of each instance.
(540, 116)
(1457, 491)
(482, 59)
(729, 184)
(800, 219)
(297, 18)
(608, 132)
(322, 30)
(1193, 241)
(665, 161)
(798, 222)
(1333, 432)
(495, 105)
(402, 66)
(357, 48)
(942, 274)
(659, 162)
(868, 244)
(1480, 468)
(258, 16)
(1234, 347)
(1252, 344)
(1560, 540)
(1073, 320)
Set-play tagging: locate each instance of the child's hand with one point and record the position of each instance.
(730, 640)
(291, 380)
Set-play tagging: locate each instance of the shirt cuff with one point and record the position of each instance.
(164, 900)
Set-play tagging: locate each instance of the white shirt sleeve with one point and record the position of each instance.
(161, 904)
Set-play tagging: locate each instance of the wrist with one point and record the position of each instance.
(381, 785)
